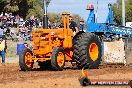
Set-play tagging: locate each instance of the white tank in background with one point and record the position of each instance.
(129, 24)
(114, 52)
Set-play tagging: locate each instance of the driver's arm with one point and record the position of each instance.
(77, 30)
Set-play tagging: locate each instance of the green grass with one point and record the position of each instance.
(12, 48)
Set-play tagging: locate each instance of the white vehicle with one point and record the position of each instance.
(129, 24)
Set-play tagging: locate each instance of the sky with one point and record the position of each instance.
(79, 7)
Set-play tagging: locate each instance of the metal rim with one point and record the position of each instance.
(60, 59)
(93, 51)
(28, 61)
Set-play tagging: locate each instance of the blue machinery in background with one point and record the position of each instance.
(108, 29)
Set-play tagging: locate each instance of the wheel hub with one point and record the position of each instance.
(93, 51)
(60, 59)
(28, 59)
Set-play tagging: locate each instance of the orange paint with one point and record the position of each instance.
(45, 40)
(93, 51)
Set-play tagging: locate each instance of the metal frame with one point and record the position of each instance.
(107, 28)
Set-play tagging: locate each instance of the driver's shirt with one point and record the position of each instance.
(72, 26)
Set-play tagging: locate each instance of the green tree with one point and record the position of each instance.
(9, 5)
(56, 18)
(24, 8)
(118, 11)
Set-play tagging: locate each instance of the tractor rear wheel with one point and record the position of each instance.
(88, 51)
(58, 59)
(25, 59)
(76, 37)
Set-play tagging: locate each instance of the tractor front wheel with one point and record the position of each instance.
(25, 59)
(58, 59)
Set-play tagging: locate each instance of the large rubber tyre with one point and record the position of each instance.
(25, 59)
(75, 43)
(58, 59)
(88, 51)
(76, 37)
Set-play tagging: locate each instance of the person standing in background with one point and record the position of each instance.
(82, 25)
(3, 47)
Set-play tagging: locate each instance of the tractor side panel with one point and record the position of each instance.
(44, 40)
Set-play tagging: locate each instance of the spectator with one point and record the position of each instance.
(61, 25)
(17, 20)
(1, 14)
(49, 24)
(38, 23)
(1, 30)
(54, 25)
(0, 21)
(81, 25)
(4, 19)
(27, 37)
(73, 26)
(2, 48)
(21, 22)
(31, 22)
(10, 23)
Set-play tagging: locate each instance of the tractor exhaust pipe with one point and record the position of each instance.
(45, 18)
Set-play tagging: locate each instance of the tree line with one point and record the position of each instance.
(117, 8)
(26, 8)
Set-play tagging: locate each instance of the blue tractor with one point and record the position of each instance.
(88, 46)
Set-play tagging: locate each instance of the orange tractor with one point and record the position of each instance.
(49, 45)
(54, 47)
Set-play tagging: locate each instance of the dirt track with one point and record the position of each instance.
(12, 77)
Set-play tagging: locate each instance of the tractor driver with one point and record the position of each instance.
(73, 26)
